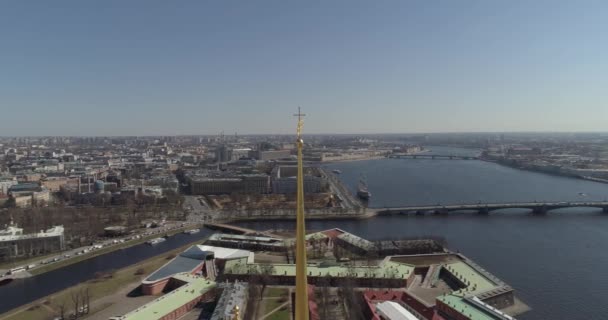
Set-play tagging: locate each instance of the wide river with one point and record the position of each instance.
(556, 262)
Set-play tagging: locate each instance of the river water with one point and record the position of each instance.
(556, 262)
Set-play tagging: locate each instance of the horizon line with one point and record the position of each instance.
(309, 134)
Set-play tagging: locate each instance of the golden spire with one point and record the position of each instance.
(301, 278)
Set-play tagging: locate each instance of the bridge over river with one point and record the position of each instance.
(432, 156)
(485, 208)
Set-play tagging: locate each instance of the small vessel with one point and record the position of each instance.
(155, 241)
(582, 194)
(362, 191)
(336, 171)
(192, 231)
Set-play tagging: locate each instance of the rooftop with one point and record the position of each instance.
(225, 253)
(12, 233)
(184, 262)
(24, 187)
(386, 269)
(234, 294)
(474, 311)
(356, 241)
(194, 288)
(394, 311)
(474, 280)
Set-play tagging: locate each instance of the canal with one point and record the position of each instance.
(22, 291)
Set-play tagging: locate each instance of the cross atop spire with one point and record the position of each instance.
(300, 122)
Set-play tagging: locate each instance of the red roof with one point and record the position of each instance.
(333, 233)
(436, 316)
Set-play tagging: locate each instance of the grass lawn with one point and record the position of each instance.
(276, 292)
(271, 304)
(97, 288)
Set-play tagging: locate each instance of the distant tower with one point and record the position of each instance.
(301, 278)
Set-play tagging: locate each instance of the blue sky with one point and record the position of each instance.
(200, 67)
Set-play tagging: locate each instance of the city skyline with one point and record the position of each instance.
(152, 68)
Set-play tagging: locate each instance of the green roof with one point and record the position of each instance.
(459, 304)
(475, 283)
(474, 280)
(386, 269)
(167, 303)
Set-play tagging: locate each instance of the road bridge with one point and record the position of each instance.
(486, 208)
(432, 157)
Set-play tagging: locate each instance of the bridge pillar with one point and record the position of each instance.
(419, 212)
(539, 210)
(441, 211)
(605, 209)
(483, 211)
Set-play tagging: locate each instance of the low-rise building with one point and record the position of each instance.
(15, 243)
(270, 155)
(27, 194)
(54, 184)
(245, 183)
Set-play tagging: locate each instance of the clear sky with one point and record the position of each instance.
(150, 67)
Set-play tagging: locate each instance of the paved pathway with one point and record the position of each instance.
(274, 310)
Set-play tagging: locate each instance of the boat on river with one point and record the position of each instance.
(156, 241)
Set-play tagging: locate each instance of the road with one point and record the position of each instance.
(199, 210)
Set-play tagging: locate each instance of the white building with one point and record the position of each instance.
(390, 310)
(14, 243)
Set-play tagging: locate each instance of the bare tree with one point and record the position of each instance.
(265, 276)
(76, 302)
(324, 284)
(62, 309)
(253, 292)
(351, 299)
(86, 299)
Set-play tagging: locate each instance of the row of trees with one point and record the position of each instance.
(77, 306)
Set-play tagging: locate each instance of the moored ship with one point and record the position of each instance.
(192, 231)
(362, 191)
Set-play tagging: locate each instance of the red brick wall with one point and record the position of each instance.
(180, 311)
(449, 311)
(155, 288)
